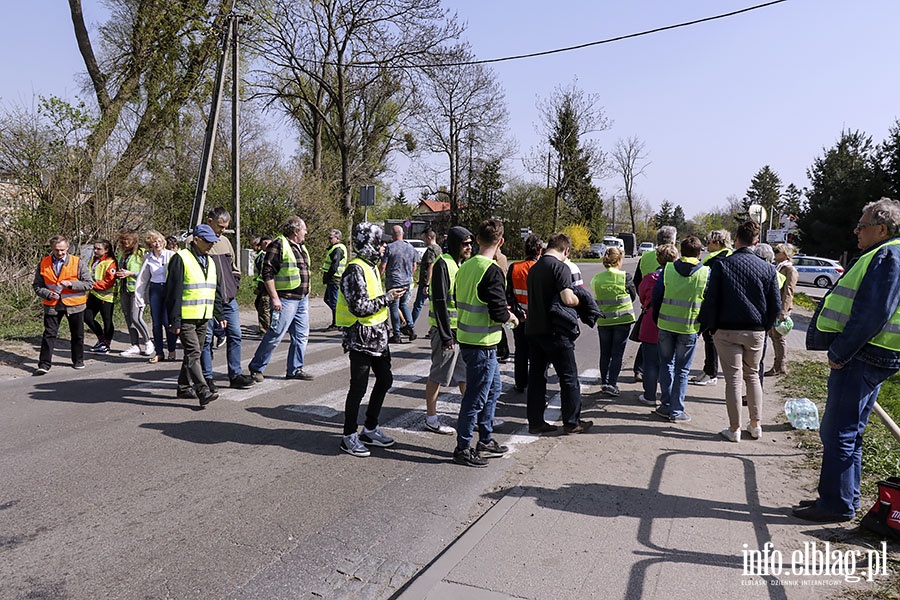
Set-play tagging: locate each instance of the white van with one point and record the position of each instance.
(614, 241)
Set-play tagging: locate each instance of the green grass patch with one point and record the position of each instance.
(803, 300)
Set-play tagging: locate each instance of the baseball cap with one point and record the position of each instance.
(205, 232)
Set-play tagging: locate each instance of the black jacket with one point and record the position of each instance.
(564, 319)
(742, 294)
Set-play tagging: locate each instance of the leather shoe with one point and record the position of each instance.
(300, 374)
(241, 381)
(816, 514)
(212, 385)
(811, 502)
(773, 373)
(396, 339)
(408, 331)
(206, 398)
(542, 428)
(582, 427)
(187, 394)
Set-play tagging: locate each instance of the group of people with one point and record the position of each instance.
(733, 299)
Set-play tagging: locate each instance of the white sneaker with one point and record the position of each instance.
(731, 436)
(643, 399)
(705, 380)
(755, 432)
(436, 426)
(149, 349)
(132, 351)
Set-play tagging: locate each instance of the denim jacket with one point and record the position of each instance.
(875, 302)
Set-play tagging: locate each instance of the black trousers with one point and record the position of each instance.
(521, 357)
(97, 306)
(51, 330)
(360, 365)
(560, 352)
(193, 334)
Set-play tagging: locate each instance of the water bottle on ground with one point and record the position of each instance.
(276, 317)
(802, 413)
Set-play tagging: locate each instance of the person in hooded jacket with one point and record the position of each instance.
(362, 313)
(447, 364)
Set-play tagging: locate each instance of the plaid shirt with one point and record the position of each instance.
(272, 264)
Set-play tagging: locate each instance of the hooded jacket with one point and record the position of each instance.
(440, 283)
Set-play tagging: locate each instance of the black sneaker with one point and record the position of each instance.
(186, 394)
(491, 448)
(213, 388)
(301, 375)
(207, 397)
(468, 457)
(408, 331)
(241, 381)
(396, 339)
(79, 365)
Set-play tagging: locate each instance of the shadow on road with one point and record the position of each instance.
(93, 390)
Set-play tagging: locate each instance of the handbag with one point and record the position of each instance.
(884, 517)
(634, 336)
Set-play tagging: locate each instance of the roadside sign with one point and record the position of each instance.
(367, 195)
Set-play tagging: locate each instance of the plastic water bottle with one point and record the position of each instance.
(802, 413)
(276, 317)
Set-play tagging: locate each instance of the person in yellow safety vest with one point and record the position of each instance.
(517, 298)
(718, 244)
(789, 276)
(62, 281)
(676, 305)
(192, 299)
(447, 366)
(481, 313)
(261, 302)
(741, 304)
(128, 263)
(286, 275)
(332, 270)
(362, 314)
(101, 299)
(648, 264)
(615, 293)
(860, 324)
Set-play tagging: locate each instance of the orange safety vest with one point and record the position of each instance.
(69, 271)
(519, 280)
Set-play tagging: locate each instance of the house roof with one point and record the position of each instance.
(435, 205)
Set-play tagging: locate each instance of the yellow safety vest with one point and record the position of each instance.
(342, 315)
(326, 266)
(100, 270)
(838, 304)
(474, 324)
(288, 276)
(712, 255)
(452, 269)
(199, 292)
(133, 264)
(681, 302)
(612, 298)
(648, 262)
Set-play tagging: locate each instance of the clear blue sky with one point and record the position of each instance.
(713, 102)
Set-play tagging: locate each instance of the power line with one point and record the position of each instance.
(599, 42)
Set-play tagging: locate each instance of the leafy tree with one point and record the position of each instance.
(486, 197)
(629, 161)
(580, 236)
(846, 177)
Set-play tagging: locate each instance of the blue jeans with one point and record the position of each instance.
(651, 369)
(852, 392)
(230, 313)
(613, 339)
(331, 298)
(160, 319)
(398, 306)
(294, 317)
(419, 302)
(480, 400)
(676, 353)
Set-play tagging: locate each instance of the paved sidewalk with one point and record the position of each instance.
(641, 508)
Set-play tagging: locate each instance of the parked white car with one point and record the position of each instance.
(814, 270)
(420, 247)
(646, 247)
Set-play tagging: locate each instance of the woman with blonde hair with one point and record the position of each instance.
(785, 267)
(150, 288)
(615, 292)
(129, 260)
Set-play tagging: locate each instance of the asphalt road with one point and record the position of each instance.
(112, 488)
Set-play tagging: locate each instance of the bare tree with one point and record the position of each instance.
(325, 58)
(629, 161)
(461, 114)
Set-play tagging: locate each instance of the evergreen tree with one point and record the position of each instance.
(765, 189)
(664, 216)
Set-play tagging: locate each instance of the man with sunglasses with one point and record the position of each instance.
(859, 323)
